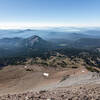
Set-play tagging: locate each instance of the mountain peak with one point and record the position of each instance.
(33, 40)
(35, 36)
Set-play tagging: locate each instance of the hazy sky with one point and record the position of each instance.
(50, 12)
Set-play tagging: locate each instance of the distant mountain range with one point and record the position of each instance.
(87, 43)
(18, 50)
(69, 33)
(31, 42)
(21, 46)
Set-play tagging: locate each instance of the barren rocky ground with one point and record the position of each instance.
(80, 92)
(18, 83)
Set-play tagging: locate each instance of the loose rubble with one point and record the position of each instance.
(87, 92)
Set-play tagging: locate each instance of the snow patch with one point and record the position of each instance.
(46, 74)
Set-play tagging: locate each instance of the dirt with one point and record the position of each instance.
(61, 84)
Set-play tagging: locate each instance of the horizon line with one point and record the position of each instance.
(41, 25)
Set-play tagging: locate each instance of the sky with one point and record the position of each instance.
(41, 13)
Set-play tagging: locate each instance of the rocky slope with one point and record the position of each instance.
(88, 92)
(29, 83)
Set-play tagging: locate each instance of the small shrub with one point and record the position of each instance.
(92, 69)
